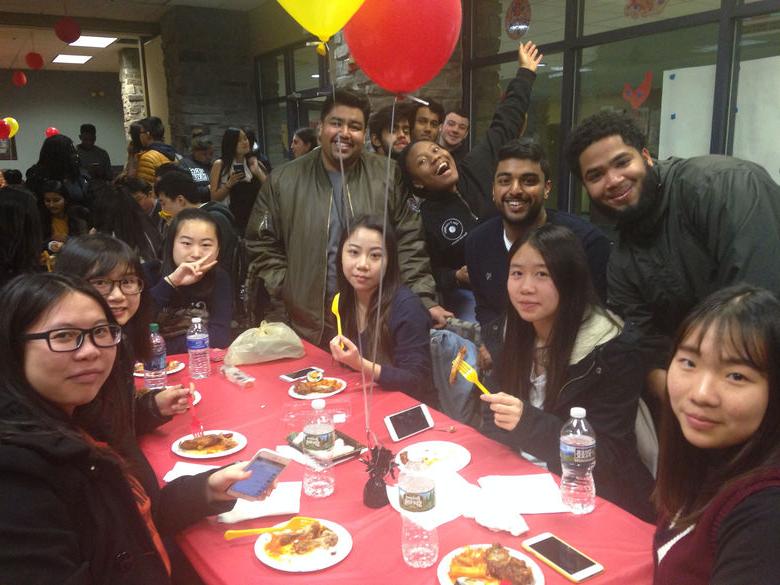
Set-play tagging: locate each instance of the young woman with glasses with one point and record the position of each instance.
(114, 269)
(73, 506)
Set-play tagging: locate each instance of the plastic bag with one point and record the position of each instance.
(268, 342)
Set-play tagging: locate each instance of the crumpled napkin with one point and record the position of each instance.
(524, 494)
(285, 499)
(452, 491)
(183, 468)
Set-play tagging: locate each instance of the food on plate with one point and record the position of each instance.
(314, 376)
(172, 365)
(304, 540)
(209, 443)
(427, 459)
(491, 566)
(456, 364)
(322, 386)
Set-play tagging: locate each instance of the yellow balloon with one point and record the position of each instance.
(13, 125)
(322, 18)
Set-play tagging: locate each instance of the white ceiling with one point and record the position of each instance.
(17, 41)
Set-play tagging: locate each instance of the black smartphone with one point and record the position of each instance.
(238, 169)
(265, 466)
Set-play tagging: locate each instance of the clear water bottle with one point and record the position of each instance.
(578, 458)
(319, 437)
(198, 349)
(154, 368)
(417, 495)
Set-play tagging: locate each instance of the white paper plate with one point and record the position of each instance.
(313, 561)
(238, 437)
(442, 571)
(313, 395)
(438, 456)
(168, 370)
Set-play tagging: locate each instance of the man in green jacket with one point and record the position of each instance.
(687, 227)
(302, 210)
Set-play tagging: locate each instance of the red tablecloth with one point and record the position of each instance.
(618, 540)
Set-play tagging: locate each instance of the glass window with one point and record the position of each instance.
(605, 15)
(271, 70)
(500, 25)
(544, 115)
(665, 81)
(307, 68)
(275, 132)
(756, 120)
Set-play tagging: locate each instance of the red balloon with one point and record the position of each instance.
(400, 53)
(19, 79)
(5, 130)
(67, 29)
(51, 131)
(34, 60)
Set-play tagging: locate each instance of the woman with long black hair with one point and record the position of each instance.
(59, 161)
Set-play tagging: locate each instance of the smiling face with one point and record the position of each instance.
(614, 173)
(55, 203)
(532, 291)
(342, 133)
(432, 167)
(73, 378)
(362, 260)
(520, 190)
(195, 239)
(123, 306)
(426, 124)
(454, 130)
(718, 398)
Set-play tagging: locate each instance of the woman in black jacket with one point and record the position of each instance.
(567, 351)
(73, 507)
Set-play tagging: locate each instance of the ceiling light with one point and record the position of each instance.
(315, 75)
(98, 42)
(77, 59)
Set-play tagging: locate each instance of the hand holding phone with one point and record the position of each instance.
(265, 466)
(562, 557)
(408, 422)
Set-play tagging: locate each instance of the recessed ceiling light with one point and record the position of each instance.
(315, 75)
(78, 59)
(98, 42)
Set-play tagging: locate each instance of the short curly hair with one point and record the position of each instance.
(595, 128)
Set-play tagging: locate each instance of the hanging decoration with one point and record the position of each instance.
(322, 18)
(19, 78)
(517, 19)
(636, 97)
(51, 131)
(399, 53)
(5, 130)
(67, 29)
(34, 60)
(13, 126)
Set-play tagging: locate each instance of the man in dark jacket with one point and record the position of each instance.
(687, 227)
(457, 196)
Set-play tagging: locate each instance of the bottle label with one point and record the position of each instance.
(416, 501)
(578, 454)
(157, 362)
(194, 343)
(319, 442)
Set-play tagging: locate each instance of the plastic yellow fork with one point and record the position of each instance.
(292, 524)
(470, 374)
(334, 308)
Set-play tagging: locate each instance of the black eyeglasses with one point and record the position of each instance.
(130, 285)
(72, 338)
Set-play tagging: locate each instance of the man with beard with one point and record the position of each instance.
(456, 196)
(687, 227)
(385, 139)
(521, 186)
(294, 231)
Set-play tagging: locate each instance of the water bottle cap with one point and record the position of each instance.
(577, 412)
(318, 403)
(154, 327)
(196, 320)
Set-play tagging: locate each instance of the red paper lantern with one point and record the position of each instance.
(51, 131)
(34, 60)
(400, 53)
(5, 130)
(19, 79)
(67, 29)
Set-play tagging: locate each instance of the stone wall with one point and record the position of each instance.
(209, 70)
(446, 87)
(132, 87)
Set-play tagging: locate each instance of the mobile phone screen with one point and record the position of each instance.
(561, 554)
(300, 373)
(409, 422)
(264, 472)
